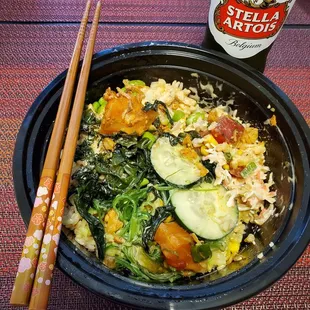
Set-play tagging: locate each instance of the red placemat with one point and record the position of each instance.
(32, 55)
(159, 11)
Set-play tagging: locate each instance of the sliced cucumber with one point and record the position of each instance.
(203, 210)
(171, 166)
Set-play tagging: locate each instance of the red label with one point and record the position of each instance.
(242, 20)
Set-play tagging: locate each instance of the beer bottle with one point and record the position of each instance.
(246, 29)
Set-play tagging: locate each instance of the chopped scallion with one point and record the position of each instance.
(96, 106)
(248, 170)
(193, 118)
(102, 101)
(201, 252)
(178, 115)
(150, 137)
(228, 156)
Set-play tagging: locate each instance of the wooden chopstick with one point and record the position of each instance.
(47, 259)
(27, 266)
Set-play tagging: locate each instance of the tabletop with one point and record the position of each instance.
(36, 43)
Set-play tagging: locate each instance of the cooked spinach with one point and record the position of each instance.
(89, 121)
(154, 106)
(211, 167)
(95, 226)
(179, 139)
(193, 134)
(156, 123)
(126, 140)
(89, 117)
(172, 139)
(83, 150)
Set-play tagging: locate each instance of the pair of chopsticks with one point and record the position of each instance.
(34, 276)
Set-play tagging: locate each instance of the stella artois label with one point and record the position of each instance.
(246, 27)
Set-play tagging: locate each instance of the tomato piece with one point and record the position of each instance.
(125, 114)
(175, 243)
(227, 130)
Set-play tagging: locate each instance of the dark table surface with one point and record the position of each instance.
(36, 43)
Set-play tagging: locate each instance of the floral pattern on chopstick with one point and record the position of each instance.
(33, 241)
(50, 243)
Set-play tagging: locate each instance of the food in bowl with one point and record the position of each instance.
(165, 185)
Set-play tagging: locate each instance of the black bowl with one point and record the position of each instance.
(280, 242)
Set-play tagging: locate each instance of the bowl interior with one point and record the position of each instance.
(255, 103)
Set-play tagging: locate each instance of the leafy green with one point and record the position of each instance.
(140, 265)
(126, 167)
(156, 123)
(127, 204)
(163, 277)
(101, 206)
(211, 167)
(201, 252)
(83, 150)
(95, 226)
(228, 156)
(193, 134)
(89, 117)
(126, 140)
(129, 268)
(154, 106)
(155, 252)
(151, 226)
(149, 138)
(89, 122)
(172, 139)
(144, 182)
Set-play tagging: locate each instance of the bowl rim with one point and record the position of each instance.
(257, 284)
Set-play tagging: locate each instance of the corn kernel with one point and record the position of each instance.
(204, 151)
(239, 152)
(234, 246)
(211, 139)
(168, 219)
(226, 167)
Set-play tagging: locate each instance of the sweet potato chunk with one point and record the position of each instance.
(125, 113)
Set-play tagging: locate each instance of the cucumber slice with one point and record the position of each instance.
(204, 211)
(171, 166)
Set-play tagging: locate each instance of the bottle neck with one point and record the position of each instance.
(244, 29)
